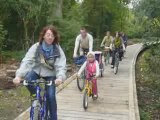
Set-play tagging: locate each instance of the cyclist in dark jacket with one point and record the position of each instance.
(117, 46)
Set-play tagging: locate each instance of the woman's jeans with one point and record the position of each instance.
(50, 93)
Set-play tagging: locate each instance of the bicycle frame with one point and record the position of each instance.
(39, 98)
(43, 107)
(88, 87)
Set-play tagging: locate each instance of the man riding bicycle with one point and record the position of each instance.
(117, 45)
(84, 41)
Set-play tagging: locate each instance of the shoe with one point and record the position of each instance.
(95, 97)
(33, 96)
(112, 67)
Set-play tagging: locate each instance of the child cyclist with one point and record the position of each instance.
(91, 67)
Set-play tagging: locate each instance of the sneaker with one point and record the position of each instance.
(33, 96)
(112, 67)
(95, 96)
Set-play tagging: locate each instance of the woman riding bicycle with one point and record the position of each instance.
(46, 60)
(92, 69)
(107, 40)
(117, 45)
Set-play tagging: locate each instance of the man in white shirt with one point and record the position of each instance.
(84, 41)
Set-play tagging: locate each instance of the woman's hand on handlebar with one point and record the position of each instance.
(17, 80)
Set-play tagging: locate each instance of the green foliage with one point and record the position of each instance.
(27, 17)
(2, 35)
(68, 31)
(147, 13)
(144, 115)
(103, 15)
(17, 55)
(147, 76)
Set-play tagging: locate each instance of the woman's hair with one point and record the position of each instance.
(108, 32)
(119, 34)
(53, 30)
(90, 53)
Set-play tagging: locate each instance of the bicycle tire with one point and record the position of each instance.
(107, 59)
(116, 63)
(36, 106)
(115, 70)
(85, 100)
(101, 66)
(81, 82)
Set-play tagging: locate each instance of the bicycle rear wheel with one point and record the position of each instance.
(35, 113)
(81, 81)
(107, 59)
(101, 67)
(116, 63)
(85, 100)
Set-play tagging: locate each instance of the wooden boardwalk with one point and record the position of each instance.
(114, 95)
(117, 95)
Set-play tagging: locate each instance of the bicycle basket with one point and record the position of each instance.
(80, 60)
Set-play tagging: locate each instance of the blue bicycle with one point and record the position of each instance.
(39, 110)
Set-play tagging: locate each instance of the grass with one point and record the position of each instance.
(13, 102)
(148, 86)
(15, 55)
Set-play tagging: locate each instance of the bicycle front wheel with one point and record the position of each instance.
(35, 113)
(85, 100)
(115, 70)
(81, 82)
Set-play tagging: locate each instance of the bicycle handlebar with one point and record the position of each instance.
(48, 83)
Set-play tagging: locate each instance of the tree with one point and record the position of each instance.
(29, 13)
(2, 36)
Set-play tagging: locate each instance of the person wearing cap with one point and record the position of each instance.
(92, 69)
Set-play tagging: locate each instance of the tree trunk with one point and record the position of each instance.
(26, 38)
(57, 11)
